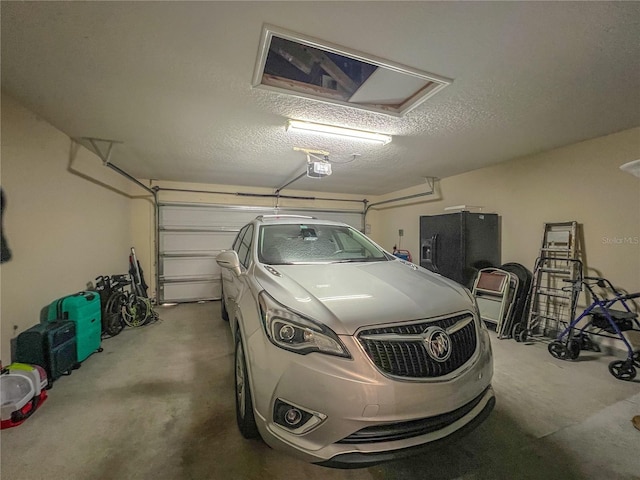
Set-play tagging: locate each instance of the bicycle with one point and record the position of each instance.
(112, 323)
(126, 305)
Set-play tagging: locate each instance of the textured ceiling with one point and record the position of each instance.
(172, 81)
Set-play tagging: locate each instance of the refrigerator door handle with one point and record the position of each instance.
(430, 253)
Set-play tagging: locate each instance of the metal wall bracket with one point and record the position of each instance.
(105, 152)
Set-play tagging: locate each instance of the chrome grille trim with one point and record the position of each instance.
(399, 350)
(394, 337)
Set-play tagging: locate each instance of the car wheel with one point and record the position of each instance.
(223, 308)
(244, 405)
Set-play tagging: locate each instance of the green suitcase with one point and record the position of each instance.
(82, 308)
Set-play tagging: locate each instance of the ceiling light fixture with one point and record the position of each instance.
(297, 125)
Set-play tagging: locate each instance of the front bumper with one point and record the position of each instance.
(354, 395)
(360, 460)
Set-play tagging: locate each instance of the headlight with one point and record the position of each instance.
(295, 333)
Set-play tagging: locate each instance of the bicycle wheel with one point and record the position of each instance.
(150, 314)
(112, 322)
(136, 311)
(153, 315)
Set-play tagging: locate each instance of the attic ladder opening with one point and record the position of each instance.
(306, 67)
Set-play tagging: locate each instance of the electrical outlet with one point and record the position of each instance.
(401, 232)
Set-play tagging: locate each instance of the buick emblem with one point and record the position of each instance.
(437, 343)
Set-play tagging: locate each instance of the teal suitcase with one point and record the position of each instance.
(82, 308)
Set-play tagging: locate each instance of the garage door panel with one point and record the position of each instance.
(209, 216)
(191, 235)
(180, 268)
(351, 218)
(193, 242)
(191, 291)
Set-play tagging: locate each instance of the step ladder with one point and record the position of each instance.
(554, 295)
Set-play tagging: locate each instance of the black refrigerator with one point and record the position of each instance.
(457, 245)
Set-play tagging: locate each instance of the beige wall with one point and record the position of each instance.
(66, 220)
(579, 182)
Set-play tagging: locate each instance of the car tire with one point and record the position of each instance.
(223, 308)
(244, 406)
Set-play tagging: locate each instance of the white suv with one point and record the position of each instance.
(344, 354)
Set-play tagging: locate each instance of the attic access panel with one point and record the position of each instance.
(306, 67)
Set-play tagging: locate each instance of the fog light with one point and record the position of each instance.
(294, 418)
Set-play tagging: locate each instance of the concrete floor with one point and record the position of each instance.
(158, 403)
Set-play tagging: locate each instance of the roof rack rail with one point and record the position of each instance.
(263, 217)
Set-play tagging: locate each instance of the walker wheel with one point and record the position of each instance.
(522, 336)
(636, 359)
(622, 370)
(557, 350)
(573, 348)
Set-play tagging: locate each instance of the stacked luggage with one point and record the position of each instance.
(71, 333)
(51, 345)
(83, 309)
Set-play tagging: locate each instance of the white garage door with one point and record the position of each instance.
(191, 235)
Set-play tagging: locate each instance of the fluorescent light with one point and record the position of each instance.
(297, 125)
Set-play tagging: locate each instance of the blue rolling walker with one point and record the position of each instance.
(604, 321)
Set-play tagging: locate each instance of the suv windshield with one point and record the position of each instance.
(315, 243)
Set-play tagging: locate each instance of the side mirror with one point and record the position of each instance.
(229, 259)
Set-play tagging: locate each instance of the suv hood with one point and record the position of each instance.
(347, 296)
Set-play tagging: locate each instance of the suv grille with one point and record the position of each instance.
(407, 355)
